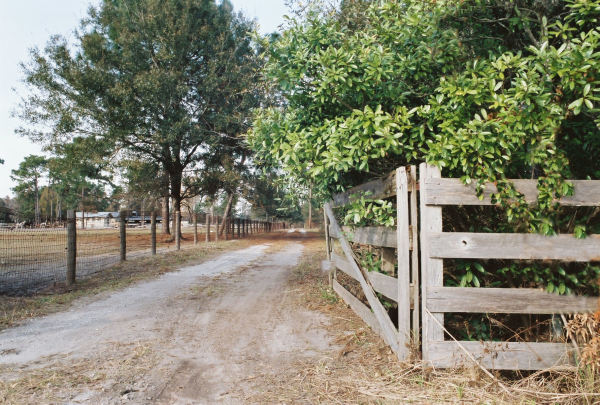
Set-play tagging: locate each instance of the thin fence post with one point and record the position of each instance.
(123, 235)
(216, 229)
(71, 247)
(178, 230)
(153, 232)
(207, 221)
(195, 228)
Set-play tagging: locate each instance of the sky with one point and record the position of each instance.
(25, 24)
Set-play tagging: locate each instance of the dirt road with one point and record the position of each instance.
(198, 335)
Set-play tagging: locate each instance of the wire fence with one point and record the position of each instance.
(34, 259)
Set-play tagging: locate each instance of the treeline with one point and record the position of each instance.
(147, 107)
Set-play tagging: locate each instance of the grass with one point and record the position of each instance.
(118, 371)
(14, 310)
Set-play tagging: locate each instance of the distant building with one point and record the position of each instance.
(99, 220)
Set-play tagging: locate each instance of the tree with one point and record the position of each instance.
(486, 90)
(164, 80)
(413, 82)
(27, 176)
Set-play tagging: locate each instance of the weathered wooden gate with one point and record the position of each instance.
(435, 246)
(436, 192)
(398, 246)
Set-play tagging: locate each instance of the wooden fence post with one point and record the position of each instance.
(123, 235)
(414, 229)
(216, 228)
(403, 251)
(207, 230)
(71, 247)
(195, 228)
(431, 269)
(153, 232)
(177, 230)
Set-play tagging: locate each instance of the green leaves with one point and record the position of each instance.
(367, 212)
(421, 81)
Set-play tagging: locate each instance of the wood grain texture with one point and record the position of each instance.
(386, 285)
(381, 283)
(344, 265)
(464, 245)
(506, 301)
(388, 330)
(414, 255)
(431, 268)
(372, 235)
(454, 192)
(500, 355)
(379, 188)
(358, 307)
(327, 241)
(403, 252)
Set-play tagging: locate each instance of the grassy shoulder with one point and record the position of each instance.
(15, 309)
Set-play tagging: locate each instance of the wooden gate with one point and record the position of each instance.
(435, 246)
(399, 246)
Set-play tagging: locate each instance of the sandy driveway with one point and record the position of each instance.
(198, 335)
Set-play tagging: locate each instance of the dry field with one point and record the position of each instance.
(31, 259)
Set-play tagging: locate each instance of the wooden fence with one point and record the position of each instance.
(399, 246)
(436, 192)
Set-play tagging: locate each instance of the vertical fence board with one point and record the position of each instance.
(403, 252)
(414, 255)
(432, 269)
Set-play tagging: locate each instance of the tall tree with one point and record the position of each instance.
(27, 176)
(166, 80)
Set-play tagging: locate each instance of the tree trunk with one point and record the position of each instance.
(37, 201)
(165, 215)
(226, 213)
(310, 207)
(176, 197)
(82, 209)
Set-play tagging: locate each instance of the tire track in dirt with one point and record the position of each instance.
(245, 332)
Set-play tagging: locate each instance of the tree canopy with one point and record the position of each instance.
(164, 81)
(486, 90)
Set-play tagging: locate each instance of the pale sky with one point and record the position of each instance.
(30, 23)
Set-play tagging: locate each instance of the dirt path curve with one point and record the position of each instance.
(210, 330)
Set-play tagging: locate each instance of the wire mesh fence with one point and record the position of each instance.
(31, 258)
(36, 258)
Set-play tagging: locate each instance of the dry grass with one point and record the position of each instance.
(363, 370)
(13, 310)
(117, 371)
(21, 247)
